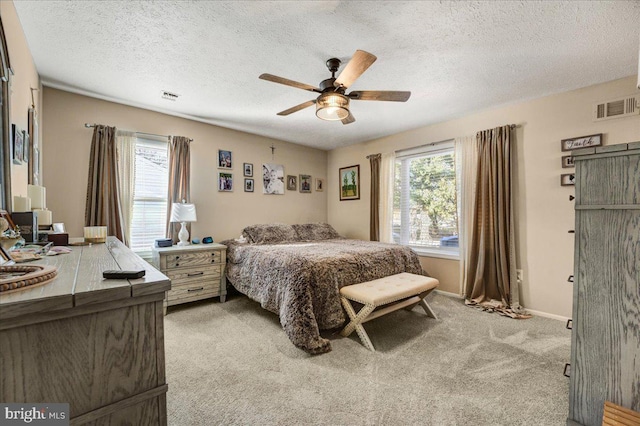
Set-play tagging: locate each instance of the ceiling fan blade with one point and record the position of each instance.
(358, 64)
(297, 108)
(287, 82)
(350, 119)
(379, 95)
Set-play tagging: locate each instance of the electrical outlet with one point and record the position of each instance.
(519, 274)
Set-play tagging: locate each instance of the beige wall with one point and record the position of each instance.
(220, 214)
(544, 212)
(24, 78)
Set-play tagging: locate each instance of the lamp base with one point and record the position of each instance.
(183, 235)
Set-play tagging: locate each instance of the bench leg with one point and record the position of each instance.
(356, 322)
(424, 305)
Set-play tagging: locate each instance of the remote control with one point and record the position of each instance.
(123, 275)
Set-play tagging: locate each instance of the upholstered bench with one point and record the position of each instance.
(383, 296)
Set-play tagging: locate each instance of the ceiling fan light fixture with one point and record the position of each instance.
(332, 106)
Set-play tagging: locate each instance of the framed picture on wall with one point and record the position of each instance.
(26, 147)
(349, 178)
(319, 185)
(225, 182)
(567, 161)
(292, 183)
(248, 185)
(568, 179)
(273, 179)
(305, 183)
(224, 159)
(17, 144)
(247, 169)
(581, 142)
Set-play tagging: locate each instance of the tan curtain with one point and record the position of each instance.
(179, 180)
(466, 156)
(491, 280)
(374, 214)
(387, 174)
(126, 152)
(102, 207)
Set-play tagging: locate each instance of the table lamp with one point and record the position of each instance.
(183, 213)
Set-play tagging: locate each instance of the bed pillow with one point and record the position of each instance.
(316, 231)
(270, 233)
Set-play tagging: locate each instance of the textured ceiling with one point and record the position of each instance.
(455, 57)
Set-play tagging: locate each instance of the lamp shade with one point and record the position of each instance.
(332, 106)
(183, 212)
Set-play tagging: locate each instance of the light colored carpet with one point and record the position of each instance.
(231, 363)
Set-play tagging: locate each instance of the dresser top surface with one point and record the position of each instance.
(190, 248)
(79, 280)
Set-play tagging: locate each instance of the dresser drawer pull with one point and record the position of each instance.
(195, 274)
(177, 257)
(195, 289)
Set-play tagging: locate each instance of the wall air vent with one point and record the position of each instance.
(616, 108)
(169, 96)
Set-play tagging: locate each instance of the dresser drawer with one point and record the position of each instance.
(184, 260)
(197, 290)
(188, 275)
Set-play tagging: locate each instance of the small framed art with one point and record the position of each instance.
(567, 161)
(224, 159)
(248, 185)
(292, 183)
(305, 183)
(319, 185)
(225, 182)
(581, 142)
(247, 169)
(568, 179)
(349, 183)
(18, 141)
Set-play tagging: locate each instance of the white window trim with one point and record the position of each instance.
(421, 151)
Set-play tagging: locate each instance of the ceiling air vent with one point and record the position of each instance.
(169, 96)
(621, 107)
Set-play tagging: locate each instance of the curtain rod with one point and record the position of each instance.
(513, 126)
(87, 125)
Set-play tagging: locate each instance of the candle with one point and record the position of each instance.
(38, 195)
(44, 216)
(21, 204)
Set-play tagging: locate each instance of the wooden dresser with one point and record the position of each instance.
(605, 344)
(196, 271)
(93, 343)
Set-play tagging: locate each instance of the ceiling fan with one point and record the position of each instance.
(333, 102)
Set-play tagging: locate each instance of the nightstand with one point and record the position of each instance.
(196, 272)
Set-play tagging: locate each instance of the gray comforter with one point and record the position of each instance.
(300, 281)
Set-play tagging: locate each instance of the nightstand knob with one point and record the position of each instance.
(177, 264)
(177, 257)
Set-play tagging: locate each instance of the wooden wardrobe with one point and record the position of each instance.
(605, 343)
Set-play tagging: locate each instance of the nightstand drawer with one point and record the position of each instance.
(179, 276)
(182, 293)
(184, 260)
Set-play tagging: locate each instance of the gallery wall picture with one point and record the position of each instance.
(305, 183)
(581, 142)
(568, 179)
(247, 169)
(18, 141)
(349, 179)
(273, 179)
(248, 185)
(225, 182)
(567, 161)
(292, 183)
(319, 185)
(224, 159)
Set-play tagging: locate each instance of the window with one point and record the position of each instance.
(425, 213)
(148, 222)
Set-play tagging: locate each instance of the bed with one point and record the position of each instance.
(296, 271)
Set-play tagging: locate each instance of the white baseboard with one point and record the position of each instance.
(531, 311)
(547, 315)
